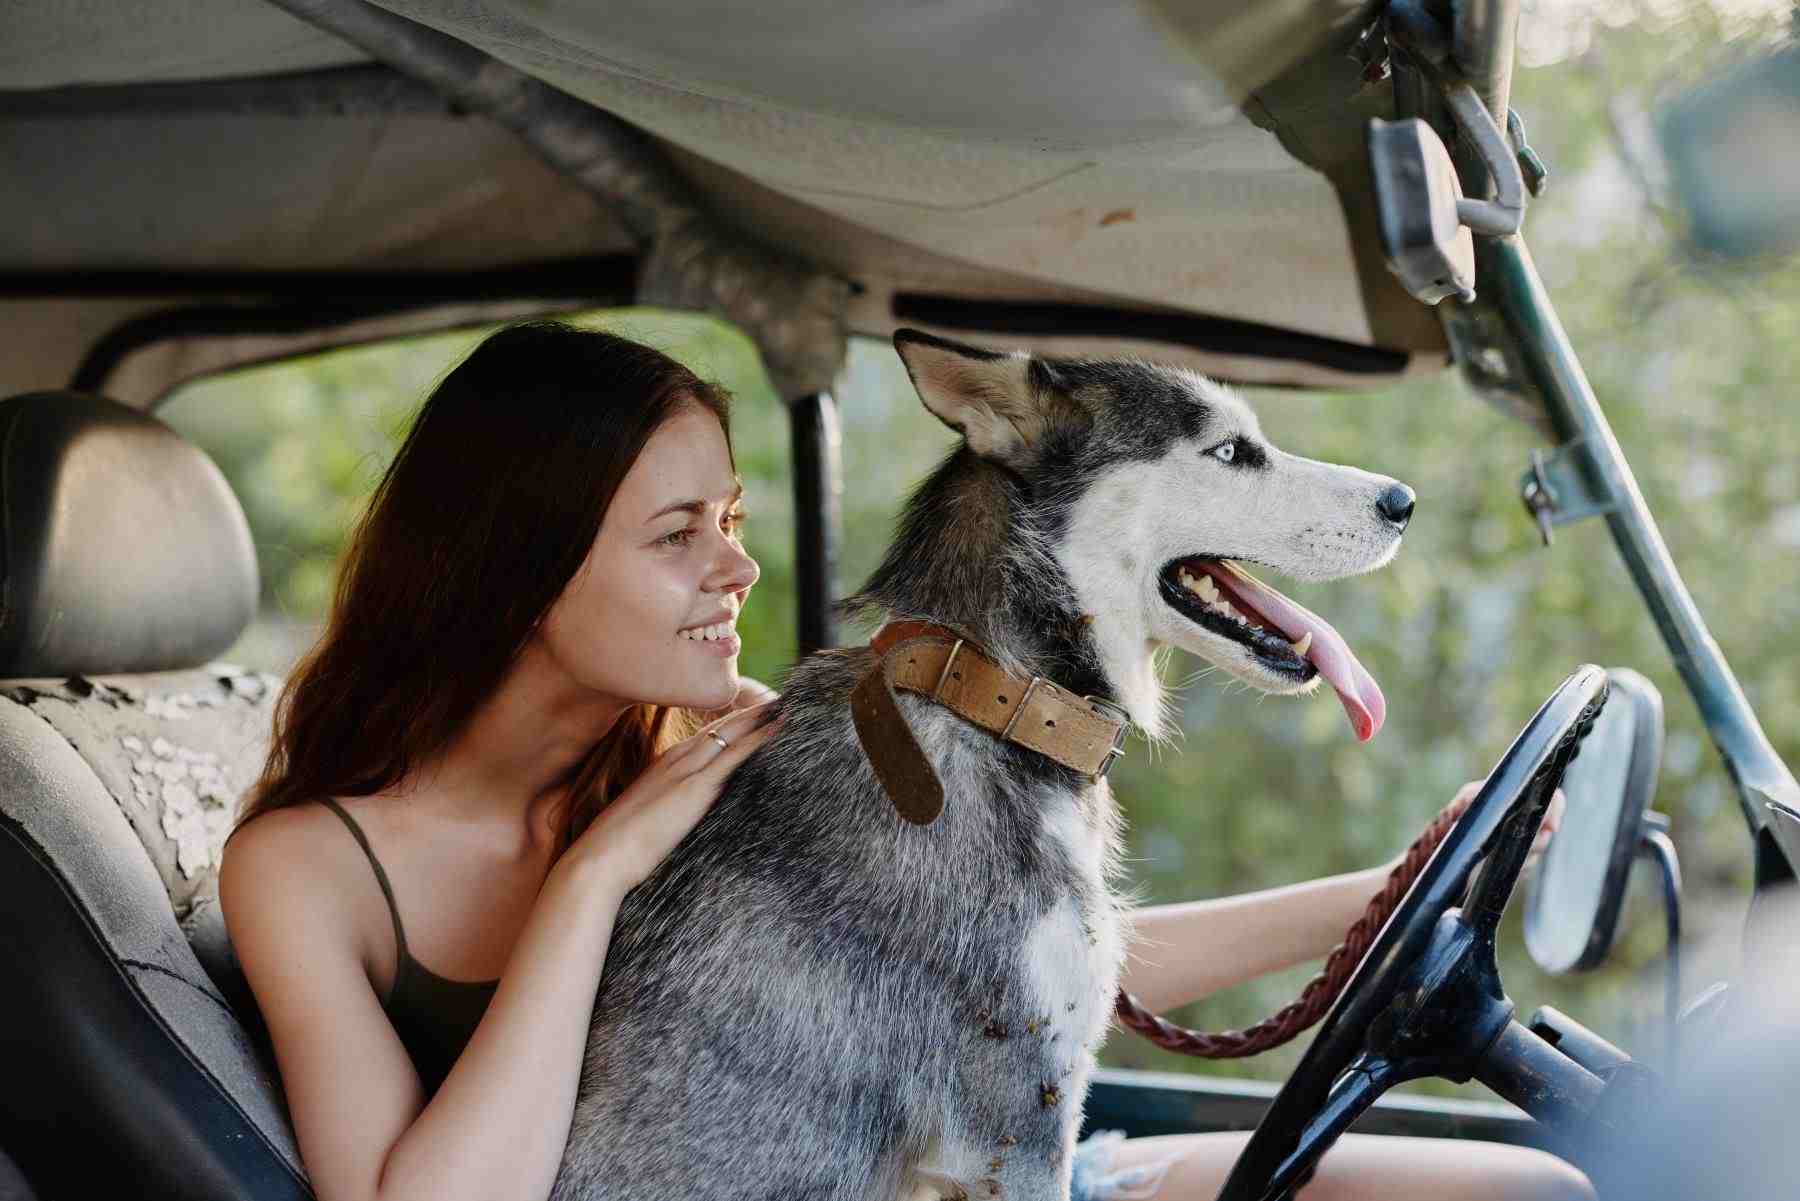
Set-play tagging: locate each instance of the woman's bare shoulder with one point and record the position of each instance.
(289, 866)
(299, 836)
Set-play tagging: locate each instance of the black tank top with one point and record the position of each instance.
(434, 1016)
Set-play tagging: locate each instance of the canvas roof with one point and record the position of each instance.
(1074, 177)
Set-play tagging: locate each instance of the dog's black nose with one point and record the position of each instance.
(1396, 504)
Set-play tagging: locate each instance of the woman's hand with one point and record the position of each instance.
(1551, 824)
(642, 825)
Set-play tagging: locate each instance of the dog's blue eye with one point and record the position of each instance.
(1224, 451)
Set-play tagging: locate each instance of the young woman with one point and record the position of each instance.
(525, 695)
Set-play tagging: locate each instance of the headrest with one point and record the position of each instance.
(122, 548)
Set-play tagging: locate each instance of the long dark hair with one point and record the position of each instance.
(486, 512)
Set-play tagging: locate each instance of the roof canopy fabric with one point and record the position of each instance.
(987, 167)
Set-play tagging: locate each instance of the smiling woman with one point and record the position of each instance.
(495, 736)
(500, 554)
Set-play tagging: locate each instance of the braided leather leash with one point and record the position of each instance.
(1321, 991)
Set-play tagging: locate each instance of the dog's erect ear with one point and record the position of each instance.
(988, 397)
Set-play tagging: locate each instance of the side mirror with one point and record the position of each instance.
(1572, 907)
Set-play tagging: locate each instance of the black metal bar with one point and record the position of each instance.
(603, 275)
(1350, 1097)
(105, 355)
(352, 91)
(818, 485)
(1576, 1041)
(1655, 845)
(1220, 335)
(1538, 1078)
(1506, 274)
(304, 315)
(1149, 1103)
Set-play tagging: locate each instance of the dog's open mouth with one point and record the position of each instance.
(1288, 639)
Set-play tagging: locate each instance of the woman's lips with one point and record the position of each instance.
(724, 641)
(723, 647)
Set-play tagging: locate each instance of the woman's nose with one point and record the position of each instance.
(735, 570)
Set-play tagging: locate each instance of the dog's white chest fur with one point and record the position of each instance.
(1073, 955)
(1068, 978)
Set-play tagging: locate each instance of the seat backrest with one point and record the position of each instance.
(127, 1066)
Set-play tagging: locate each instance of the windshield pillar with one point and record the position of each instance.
(818, 486)
(1508, 280)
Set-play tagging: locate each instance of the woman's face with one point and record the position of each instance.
(651, 615)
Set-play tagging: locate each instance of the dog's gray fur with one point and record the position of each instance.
(813, 999)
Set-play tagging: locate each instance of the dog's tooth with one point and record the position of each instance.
(1304, 645)
(1207, 590)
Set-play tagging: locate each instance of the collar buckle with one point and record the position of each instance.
(1116, 712)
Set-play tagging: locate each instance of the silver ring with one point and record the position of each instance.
(723, 745)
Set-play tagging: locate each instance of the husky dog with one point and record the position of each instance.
(813, 999)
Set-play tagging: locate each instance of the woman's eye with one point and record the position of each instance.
(734, 521)
(680, 537)
(1224, 451)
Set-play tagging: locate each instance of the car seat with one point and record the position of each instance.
(131, 1057)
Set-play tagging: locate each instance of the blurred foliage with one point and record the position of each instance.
(1468, 629)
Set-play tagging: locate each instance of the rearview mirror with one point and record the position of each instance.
(1572, 907)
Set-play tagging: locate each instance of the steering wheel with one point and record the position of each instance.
(1426, 1000)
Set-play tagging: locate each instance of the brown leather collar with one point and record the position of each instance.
(936, 662)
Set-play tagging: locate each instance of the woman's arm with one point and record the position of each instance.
(1182, 952)
(498, 1125)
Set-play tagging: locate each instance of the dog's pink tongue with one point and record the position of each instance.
(1356, 688)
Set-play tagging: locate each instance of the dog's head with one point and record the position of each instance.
(1155, 486)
